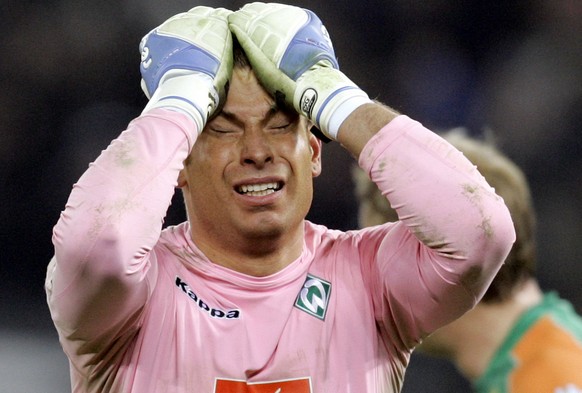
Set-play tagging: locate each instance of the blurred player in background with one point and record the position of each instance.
(517, 339)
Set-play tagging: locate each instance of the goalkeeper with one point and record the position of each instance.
(247, 295)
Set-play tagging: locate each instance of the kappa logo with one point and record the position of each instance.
(313, 297)
(213, 312)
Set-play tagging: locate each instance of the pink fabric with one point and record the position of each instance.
(143, 310)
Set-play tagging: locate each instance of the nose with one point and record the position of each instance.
(256, 147)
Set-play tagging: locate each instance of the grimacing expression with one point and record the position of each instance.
(250, 173)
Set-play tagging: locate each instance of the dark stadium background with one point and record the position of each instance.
(69, 83)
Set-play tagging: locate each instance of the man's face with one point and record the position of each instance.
(250, 173)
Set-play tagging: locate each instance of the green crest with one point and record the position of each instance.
(313, 297)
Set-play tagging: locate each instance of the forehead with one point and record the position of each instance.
(248, 99)
(244, 88)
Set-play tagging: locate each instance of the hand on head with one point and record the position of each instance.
(186, 63)
(288, 47)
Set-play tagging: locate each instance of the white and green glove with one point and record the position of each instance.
(186, 63)
(293, 57)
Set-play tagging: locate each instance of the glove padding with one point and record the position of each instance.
(186, 63)
(293, 57)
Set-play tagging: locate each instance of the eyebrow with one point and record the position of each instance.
(272, 111)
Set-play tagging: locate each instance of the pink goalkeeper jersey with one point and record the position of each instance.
(142, 310)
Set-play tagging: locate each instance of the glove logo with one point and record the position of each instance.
(326, 36)
(307, 102)
(145, 57)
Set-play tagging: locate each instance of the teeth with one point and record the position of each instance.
(259, 189)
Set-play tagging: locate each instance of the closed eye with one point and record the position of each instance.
(220, 130)
(280, 127)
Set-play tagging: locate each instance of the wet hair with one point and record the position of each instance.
(509, 182)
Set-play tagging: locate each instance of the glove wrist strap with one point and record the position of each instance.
(343, 109)
(193, 94)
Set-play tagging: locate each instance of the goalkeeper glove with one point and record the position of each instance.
(186, 63)
(293, 57)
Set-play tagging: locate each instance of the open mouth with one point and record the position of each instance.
(259, 189)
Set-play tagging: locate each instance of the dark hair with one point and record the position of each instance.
(240, 58)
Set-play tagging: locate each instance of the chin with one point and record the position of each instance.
(264, 231)
(268, 228)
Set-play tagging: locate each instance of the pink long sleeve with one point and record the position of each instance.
(465, 229)
(113, 218)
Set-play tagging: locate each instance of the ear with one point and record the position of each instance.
(315, 146)
(182, 178)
